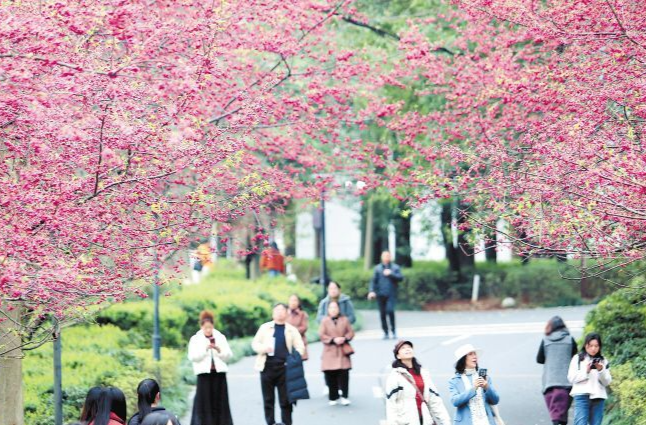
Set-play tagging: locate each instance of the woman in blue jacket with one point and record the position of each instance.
(472, 394)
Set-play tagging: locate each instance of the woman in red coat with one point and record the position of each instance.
(299, 319)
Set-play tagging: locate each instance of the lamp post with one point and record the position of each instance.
(319, 225)
(156, 336)
(322, 240)
(58, 376)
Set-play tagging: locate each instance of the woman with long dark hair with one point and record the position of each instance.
(91, 405)
(411, 395)
(472, 392)
(209, 351)
(148, 399)
(111, 408)
(555, 352)
(589, 376)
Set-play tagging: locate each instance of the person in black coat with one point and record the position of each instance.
(383, 287)
(148, 398)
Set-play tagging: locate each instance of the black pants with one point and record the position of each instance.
(387, 307)
(272, 379)
(211, 405)
(337, 380)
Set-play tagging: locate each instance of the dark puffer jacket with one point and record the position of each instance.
(295, 378)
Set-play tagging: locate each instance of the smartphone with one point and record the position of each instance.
(482, 373)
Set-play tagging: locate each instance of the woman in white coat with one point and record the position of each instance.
(209, 351)
(590, 376)
(411, 396)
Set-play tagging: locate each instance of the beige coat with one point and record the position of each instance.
(333, 357)
(264, 338)
(300, 321)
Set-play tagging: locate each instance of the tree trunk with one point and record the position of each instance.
(402, 238)
(11, 402)
(491, 243)
(254, 267)
(447, 237)
(290, 230)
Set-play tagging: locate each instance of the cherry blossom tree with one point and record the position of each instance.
(126, 127)
(540, 120)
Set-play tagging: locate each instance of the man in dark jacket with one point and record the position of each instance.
(383, 287)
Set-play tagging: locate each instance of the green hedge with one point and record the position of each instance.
(541, 282)
(94, 356)
(240, 306)
(116, 351)
(621, 321)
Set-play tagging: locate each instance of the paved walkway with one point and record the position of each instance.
(510, 340)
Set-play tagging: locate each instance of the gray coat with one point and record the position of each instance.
(555, 353)
(345, 305)
(386, 286)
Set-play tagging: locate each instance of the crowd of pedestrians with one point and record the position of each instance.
(570, 376)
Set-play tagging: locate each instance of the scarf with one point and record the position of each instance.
(477, 403)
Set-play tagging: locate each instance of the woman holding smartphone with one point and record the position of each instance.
(209, 351)
(472, 391)
(590, 376)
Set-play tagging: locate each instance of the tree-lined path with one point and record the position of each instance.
(510, 340)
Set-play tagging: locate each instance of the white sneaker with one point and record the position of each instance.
(345, 402)
(333, 402)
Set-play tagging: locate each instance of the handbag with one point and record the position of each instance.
(347, 349)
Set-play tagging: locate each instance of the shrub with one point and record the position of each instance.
(621, 321)
(88, 361)
(540, 282)
(240, 306)
(137, 317)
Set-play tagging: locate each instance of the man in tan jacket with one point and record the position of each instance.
(273, 342)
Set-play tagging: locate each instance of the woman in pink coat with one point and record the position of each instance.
(299, 319)
(335, 333)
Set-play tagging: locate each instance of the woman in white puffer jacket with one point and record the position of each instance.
(411, 396)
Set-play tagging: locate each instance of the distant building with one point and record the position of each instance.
(343, 234)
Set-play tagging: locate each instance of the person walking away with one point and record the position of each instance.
(299, 319)
(111, 409)
(590, 377)
(273, 342)
(148, 401)
(383, 287)
(209, 351)
(272, 261)
(472, 393)
(555, 352)
(91, 405)
(411, 396)
(344, 301)
(335, 333)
